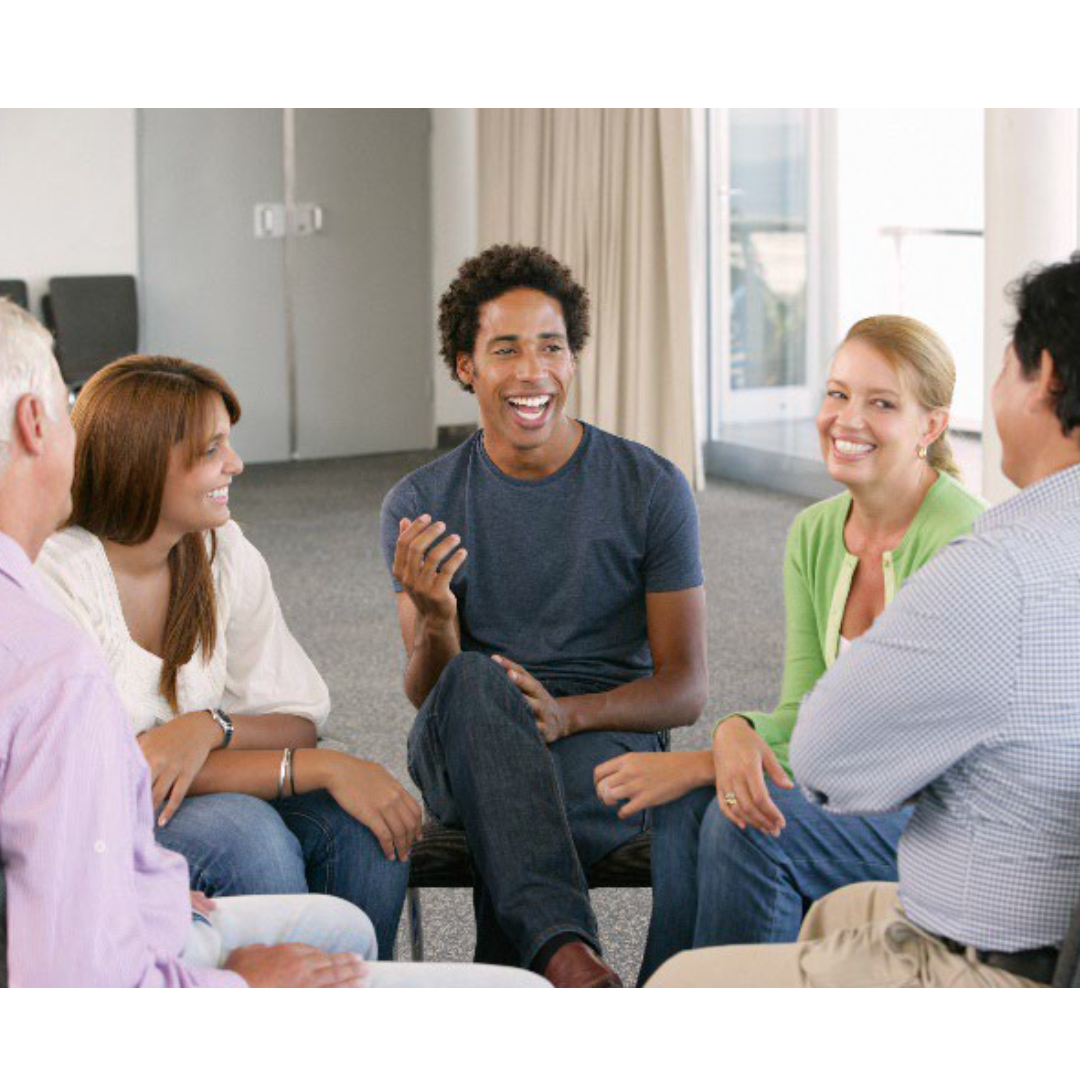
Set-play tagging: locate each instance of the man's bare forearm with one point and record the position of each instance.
(434, 646)
(656, 703)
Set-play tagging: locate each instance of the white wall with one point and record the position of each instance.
(917, 168)
(453, 232)
(67, 194)
(1032, 216)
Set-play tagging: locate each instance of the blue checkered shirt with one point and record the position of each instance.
(965, 697)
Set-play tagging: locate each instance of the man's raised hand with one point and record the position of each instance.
(424, 565)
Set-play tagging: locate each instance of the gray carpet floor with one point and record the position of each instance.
(317, 524)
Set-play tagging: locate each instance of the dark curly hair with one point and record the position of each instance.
(1047, 302)
(495, 271)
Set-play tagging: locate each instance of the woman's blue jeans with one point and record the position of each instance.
(715, 884)
(238, 845)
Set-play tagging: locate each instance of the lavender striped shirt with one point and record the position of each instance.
(92, 900)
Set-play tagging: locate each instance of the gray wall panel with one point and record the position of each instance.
(364, 322)
(210, 291)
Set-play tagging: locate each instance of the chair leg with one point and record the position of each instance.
(415, 918)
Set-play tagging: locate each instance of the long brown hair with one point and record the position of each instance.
(128, 418)
(923, 360)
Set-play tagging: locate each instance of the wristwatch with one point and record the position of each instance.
(221, 718)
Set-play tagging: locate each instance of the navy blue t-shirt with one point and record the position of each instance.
(558, 568)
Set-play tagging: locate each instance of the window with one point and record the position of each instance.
(761, 236)
(818, 218)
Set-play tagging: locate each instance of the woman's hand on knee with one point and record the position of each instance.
(741, 760)
(175, 753)
(640, 781)
(368, 792)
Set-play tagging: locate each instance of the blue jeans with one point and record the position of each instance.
(238, 845)
(530, 811)
(714, 884)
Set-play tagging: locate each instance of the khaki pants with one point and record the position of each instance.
(857, 936)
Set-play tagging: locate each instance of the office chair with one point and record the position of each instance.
(94, 320)
(15, 290)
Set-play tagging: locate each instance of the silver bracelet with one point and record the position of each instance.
(285, 772)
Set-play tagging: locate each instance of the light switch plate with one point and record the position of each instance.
(269, 221)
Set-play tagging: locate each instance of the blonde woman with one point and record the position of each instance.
(738, 853)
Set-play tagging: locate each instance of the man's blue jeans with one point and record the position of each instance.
(530, 811)
(238, 845)
(714, 884)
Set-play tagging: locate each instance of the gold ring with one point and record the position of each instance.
(730, 798)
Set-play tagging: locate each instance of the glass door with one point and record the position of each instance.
(761, 235)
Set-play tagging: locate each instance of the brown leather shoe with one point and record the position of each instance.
(576, 965)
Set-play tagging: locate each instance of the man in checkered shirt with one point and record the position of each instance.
(963, 698)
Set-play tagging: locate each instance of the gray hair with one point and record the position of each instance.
(26, 367)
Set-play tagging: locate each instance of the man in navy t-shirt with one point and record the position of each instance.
(551, 602)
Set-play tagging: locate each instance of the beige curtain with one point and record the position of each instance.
(608, 191)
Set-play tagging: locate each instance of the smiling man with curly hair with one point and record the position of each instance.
(552, 606)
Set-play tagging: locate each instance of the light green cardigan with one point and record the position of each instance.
(818, 571)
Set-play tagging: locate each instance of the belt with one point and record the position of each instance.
(1035, 964)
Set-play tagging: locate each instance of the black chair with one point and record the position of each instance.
(95, 320)
(440, 860)
(15, 290)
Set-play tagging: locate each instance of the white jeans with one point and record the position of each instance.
(334, 926)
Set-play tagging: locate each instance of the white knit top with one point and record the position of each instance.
(257, 665)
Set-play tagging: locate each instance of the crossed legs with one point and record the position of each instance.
(530, 811)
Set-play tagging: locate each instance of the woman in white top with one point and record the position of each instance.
(225, 703)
